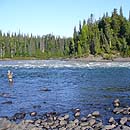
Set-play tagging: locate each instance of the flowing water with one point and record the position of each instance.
(86, 85)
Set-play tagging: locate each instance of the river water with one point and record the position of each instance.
(86, 85)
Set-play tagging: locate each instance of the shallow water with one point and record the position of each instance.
(74, 84)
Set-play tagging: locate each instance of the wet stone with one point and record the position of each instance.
(7, 102)
(118, 110)
(98, 125)
(77, 114)
(66, 117)
(125, 128)
(96, 113)
(60, 118)
(108, 127)
(33, 113)
(19, 115)
(123, 120)
(63, 122)
(92, 122)
(83, 119)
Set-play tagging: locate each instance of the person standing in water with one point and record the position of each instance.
(10, 76)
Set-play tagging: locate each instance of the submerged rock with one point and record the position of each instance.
(7, 102)
(5, 95)
(19, 115)
(54, 121)
(45, 89)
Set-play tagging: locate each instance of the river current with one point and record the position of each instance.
(86, 85)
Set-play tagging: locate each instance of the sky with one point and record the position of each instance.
(57, 17)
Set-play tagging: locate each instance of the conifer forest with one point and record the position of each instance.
(108, 37)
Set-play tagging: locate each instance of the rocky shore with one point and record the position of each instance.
(53, 121)
(90, 58)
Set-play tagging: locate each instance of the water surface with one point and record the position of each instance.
(74, 84)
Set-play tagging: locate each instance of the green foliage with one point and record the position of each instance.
(110, 34)
(107, 56)
(109, 37)
(79, 49)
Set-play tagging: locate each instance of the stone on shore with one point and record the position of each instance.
(52, 121)
(96, 113)
(123, 120)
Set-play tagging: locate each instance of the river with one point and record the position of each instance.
(86, 85)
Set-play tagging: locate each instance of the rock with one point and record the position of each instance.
(87, 128)
(77, 114)
(98, 125)
(89, 115)
(117, 128)
(38, 121)
(109, 127)
(92, 122)
(5, 95)
(7, 102)
(63, 122)
(76, 121)
(33, 113)
(57, 123)
(83, 119)
(123, 120)
(125, 128)
(118, 110)
(45, 89)
(29, 121)
(96, 113)
(19, 115)
(37, 106)
(116, 103)
(62, 128)
(70, 125)
(66, 116)
(61, 118)
(112, 120)
(82, 124)
(54, 118)
(4, 124)
(50, 123)
(77, 110)
(77, 128)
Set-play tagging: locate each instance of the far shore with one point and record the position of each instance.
(88, 59)
(100, 59)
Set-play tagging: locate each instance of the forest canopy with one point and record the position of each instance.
(108, 37)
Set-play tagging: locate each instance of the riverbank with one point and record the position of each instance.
(90, 58)
(53, 121)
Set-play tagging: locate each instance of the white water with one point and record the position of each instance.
(61, 64)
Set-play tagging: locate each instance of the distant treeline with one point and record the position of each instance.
(108, 37)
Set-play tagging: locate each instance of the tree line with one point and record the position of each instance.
(108, 37)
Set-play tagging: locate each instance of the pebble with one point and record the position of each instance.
(91, 122)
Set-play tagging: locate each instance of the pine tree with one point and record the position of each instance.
(121, 12)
